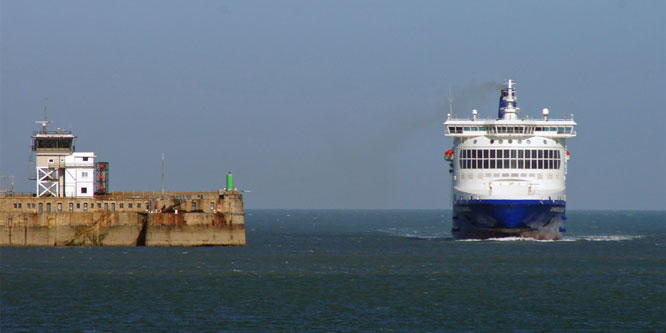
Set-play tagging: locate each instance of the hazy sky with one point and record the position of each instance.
(333, 104)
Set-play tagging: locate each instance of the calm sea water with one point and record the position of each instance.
(352, 270)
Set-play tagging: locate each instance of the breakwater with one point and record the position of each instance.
(124, 219)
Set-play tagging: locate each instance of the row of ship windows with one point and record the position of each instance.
(506, 175)
(510, 129)
(509, 159)
(510, 164)
(509, 153)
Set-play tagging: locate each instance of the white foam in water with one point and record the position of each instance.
(591, 238)
(403, 232)
(413, 234)
(507, 239)
(608, 238)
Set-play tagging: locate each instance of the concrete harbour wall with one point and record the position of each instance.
(168, 221)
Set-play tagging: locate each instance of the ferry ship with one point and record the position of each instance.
(509, 174)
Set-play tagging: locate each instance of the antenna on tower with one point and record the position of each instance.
(46, 104)
(162, 173)
(45, 121)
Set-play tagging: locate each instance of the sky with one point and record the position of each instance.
(333, 104)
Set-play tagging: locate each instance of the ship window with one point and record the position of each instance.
(513, 153)
(458, 129)
(452, 129)
(550, 153)
(474, 153)
(485, 153)
(540, 164)
(513, 164)
(466, 129)
(520, 164)
(485, 164)
(534, 164)
(506, 153)
(540, 153)
(520, 153)
(473, 164)
(506, 164)
(550, 164)
(492, 153)
(492, 164)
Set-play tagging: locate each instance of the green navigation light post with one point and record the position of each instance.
(230, 182)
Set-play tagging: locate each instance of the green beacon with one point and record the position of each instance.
(230, 182)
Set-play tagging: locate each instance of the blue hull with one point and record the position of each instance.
(481, 219)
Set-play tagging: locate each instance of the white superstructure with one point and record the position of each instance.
(509, 158)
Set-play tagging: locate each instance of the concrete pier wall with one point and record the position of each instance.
(169, 220)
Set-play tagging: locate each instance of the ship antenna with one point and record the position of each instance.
(450, 102)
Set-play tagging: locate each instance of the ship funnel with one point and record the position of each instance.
(508, 100)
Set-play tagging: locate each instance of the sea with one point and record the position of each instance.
(351, 270)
